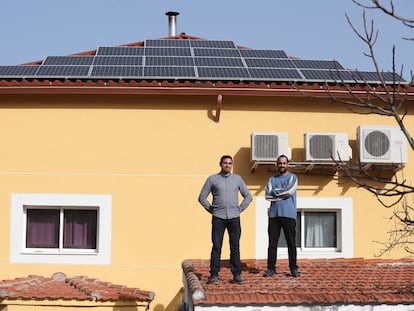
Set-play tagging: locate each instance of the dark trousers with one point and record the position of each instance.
(289, 228)
(217, 233)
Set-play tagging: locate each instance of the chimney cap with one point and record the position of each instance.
(171, 13)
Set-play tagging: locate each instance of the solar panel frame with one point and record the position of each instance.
(220, 44)
(18, 71)
(68, 60)
(223, 73)
(118, 60)
(63, 71)
(269, 63)
(162, 51)
(207, 52)
(327, 75)
(275, 74)
(169, 61)
(218, 62)
(167, 43)
(263, 53)
(169, 72)
(120, 50)
(317, 64)
(117, 71)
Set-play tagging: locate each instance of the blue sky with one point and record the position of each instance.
(317, 29)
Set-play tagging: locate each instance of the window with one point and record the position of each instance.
(60, 228)
(321, 230)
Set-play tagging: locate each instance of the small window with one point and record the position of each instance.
(324, 228)
(60, 228)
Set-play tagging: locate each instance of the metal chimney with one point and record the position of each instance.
(172, 22)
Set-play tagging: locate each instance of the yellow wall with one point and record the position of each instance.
(152, 154)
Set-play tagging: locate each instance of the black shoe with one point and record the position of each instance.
(214, 279)
(269, 273)
(238, 279)
(295, 273)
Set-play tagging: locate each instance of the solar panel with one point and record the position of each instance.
(269, 63)
(221, 62)
(168, 61)
(118, 60)
(167, 43)
(114, 71)
(63, 71)
(263, 53)
(192, 59)
(217, 52)
(14, 71)
(68, 60)
(317, 64)
(174, 72)
(323, 75)
(168, 51)
(374, 76)
(120, 50)
(278, 74)
(223, 73)
(213, 44)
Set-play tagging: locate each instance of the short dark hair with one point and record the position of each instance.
(282, 156)
(225, 157)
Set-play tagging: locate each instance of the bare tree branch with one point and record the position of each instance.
(376, 5)
(384, 98)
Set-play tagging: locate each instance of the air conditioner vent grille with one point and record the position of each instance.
(266, 146)
(377, 143)
(321, 146)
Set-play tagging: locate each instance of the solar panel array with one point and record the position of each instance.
(189, 59)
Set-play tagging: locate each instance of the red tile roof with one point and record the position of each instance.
(59, 286)
(322, 281)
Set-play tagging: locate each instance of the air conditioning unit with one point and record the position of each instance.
(267, 146)
(381, 144)
(325, 146)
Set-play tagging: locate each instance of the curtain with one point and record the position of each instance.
(320, 229)
(42, 228)
(79, 229)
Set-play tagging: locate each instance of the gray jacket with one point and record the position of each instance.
(225, 191)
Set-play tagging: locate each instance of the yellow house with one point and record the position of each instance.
(107, 150)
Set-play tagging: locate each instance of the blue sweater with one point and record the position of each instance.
(281, 192)
(225, 191)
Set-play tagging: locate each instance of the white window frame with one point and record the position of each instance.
(20, 254)
(345, 227)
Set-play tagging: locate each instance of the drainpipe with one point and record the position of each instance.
(172, 22)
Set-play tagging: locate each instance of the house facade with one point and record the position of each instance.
(101, 174)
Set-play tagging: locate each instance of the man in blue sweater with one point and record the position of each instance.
(225, 208)
(281, 192)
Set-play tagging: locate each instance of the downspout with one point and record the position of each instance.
(218, 107)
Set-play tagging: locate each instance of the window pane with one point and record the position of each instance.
(320, 229)
(282, 238)
(80, 229)
(42, 228)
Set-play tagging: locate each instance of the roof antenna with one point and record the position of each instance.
(172, 22)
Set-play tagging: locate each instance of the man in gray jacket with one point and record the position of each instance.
(225, 208)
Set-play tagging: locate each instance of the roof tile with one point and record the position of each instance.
(73, 288)
(323, 281)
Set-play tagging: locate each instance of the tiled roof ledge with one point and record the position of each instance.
(193, 282)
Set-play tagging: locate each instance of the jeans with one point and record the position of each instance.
(217, 233)
(289, 228)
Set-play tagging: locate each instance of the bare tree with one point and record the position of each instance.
(386, 99)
